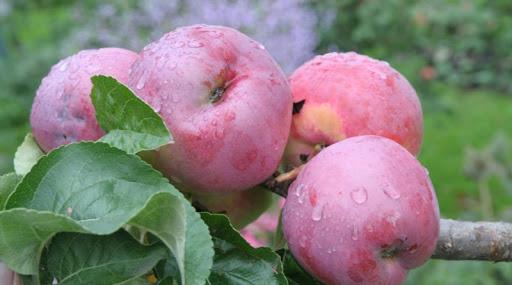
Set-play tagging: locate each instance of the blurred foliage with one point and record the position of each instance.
(454, 122)
(455, 52)
(465, 42)
(442, 272)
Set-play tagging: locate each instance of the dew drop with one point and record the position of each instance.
(215, 34)
(219, 133)
(141, 83)
(298, 191)
(301, 198)
(318, 212)
(355, 232)
(63, 67)
(359, 195)
(229, 116)
(302, 241)
(195, 44)
(391, 192)
(177, 44)
(426, 171)
(260, 46)
(175, 98)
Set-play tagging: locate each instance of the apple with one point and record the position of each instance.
(242, 207)
(8, 277)
(225, 101)
(62, 111)
(362, 211)
(341, 95)
(262, 232)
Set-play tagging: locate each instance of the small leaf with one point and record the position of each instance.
(295, 274)
(8, 184)
(27, 154)
(88, 259)
(87, 188)
(235, 261)
(130, 123)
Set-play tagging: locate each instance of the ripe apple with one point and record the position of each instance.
(242, 207)
(340, 95)
(224, 99)
(362, 211)
(8, 277)
(262, 232)
(62, 111)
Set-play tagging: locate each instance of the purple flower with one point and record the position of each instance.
(285, 27)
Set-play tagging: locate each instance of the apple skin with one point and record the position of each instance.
(62, 111)
(362, 211)
(346, 95)
(242, 207)
(225, 101)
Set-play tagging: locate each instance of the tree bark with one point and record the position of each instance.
(458, 240)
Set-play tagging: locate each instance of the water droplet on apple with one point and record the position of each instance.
(177, 44)
(175, 98)
(92, 68)
(63, 66)
(260, 46)
(355, 232)
(215, 34)
(298, 191)
(302, 197)
(318, 212)
(219, 133)
(302, 241)
(426, 171)
(195, 44)
(230, 116)
(359, 195)
(391, 192)
(141, 82)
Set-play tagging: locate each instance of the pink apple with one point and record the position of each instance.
(262, 232)
(341, 95)
(62, 111)
(226, 102)
(362, 211)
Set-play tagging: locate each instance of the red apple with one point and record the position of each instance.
(62, 111)
(341, 95)
(362, 211)
(226, 102)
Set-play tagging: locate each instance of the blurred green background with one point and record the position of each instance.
(457, 54)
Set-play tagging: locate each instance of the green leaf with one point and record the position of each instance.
(88, 259)
(198, 253)
(26, 156)
(130, 123)
(295, 274)
(8, 183)
(88, 188)
(235, 261)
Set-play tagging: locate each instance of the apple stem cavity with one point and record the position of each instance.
(216, 94)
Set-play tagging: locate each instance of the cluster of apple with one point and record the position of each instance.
(362, 209)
